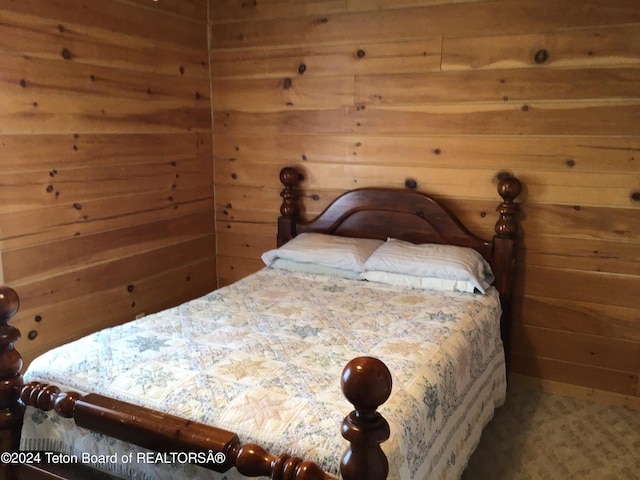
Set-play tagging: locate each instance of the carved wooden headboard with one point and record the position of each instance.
(413, 216)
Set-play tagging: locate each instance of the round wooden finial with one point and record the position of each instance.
(9, 303)
(290, 177)
(509, 188)
(366, 383)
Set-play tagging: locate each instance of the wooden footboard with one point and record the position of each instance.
(366, 382)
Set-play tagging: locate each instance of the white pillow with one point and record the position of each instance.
(428, 283)
(432, 260)
(314, 269)
(328, 250)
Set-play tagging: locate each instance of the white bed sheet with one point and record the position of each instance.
(263, 358)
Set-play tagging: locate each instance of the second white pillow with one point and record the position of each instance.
(432, 260)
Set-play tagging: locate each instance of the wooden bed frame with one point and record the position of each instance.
(366, 382)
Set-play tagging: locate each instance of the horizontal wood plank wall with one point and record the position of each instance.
(451, 93)
(106, 185)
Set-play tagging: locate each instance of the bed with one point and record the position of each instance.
(425, 364)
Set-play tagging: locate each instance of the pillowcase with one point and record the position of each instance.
(432, 260)
(327, 250)
(313, 268)
(411, 281)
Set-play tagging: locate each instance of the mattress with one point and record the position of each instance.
(263, 358)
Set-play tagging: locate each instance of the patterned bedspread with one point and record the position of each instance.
(263, 358)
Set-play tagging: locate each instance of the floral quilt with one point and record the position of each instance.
(263, 358)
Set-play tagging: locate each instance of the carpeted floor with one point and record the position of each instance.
(543, 436)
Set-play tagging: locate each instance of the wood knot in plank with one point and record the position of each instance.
(411, 183)
(541, 56)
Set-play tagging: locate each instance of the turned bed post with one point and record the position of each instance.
(504, 252)
(11, 409)
(289, 210)
(366, 383)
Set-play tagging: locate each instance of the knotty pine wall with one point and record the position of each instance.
(107, 157)
(106, 178)
(450, 93)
